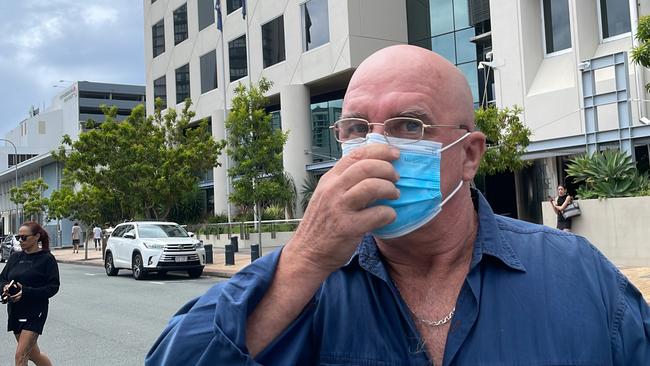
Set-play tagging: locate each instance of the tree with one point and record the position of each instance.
(138, 168)
(507, 139)
(641, 54)
(30, 196)
(255, 148)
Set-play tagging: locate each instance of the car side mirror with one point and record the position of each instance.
(191, 234)
(129, 236)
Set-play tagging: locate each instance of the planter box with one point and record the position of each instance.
(618, 227)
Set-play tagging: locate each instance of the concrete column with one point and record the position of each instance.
(220, 172)
(296, 118)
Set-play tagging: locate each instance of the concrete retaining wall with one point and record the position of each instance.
(618, 227)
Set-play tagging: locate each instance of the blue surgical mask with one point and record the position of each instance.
(419, 183)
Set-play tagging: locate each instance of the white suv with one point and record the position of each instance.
(146, 246)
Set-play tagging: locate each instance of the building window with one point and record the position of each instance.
(324, 145)
(315, 24)
(13, 159)
(237, 58)
(160, 90)
(614, 17)
(232, 5)
(158, 37)
(276, 120)
(206, 13)
(208, 71)
(182, 83)
(273, 42)
(180, 24)
(557, 29)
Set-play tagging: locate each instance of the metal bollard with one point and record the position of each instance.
(255, 252)
(208, 254)
(230, 255)
(234, 241)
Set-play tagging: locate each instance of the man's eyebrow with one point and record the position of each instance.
(354, 115)
(415, 113)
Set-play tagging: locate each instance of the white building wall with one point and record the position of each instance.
(357, 28)
(548, 87)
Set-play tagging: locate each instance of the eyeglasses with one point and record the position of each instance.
(22, 237)
(355, 130)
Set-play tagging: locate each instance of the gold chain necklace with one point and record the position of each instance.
(431, 323)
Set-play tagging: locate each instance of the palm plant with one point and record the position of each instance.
(308, 187)
(610, 173)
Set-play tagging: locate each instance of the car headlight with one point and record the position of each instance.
(154, 245)
(198, 245)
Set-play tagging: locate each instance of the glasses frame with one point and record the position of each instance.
(23, 237)
(359, 140)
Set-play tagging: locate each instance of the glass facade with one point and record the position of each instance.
(237, 58)
(206, 13)
(180, 24)
(324, 146)
(615, 17)
(443, 26)
(315, 24)
(160, 90)
(208, 71)
(182, 83)
(557, 28)
(158, 37)
(273, 42)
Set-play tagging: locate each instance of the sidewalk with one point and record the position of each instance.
(218, 268)
(639, 276)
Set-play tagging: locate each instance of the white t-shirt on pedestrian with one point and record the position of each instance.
(97, 232)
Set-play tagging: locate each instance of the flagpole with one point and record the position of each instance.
(224, 87)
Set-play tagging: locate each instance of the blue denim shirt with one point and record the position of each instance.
(533, 296)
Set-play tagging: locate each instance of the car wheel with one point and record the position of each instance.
(138, 271)
(195, 272)
(110, 266)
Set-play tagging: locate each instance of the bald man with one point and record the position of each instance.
(397, 261)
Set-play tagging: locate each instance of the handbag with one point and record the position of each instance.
(571, 210)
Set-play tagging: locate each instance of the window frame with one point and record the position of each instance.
(187, 24)
(189, 83)
(153, 46)
(601, 37)
(284, 35)
(166, 98)
(198, 15)
(230, 80)
(216, 71)
(543, 23)
(302, 28)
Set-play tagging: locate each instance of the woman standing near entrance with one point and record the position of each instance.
(559, 204)
(28, 280)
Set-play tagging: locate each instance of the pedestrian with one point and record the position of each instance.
(76, 237)
(97, 235)
(399, 261)
(28, 280)
(560, 202)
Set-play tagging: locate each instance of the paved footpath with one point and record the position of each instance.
(639, 276)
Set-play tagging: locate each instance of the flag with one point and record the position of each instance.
(307, 26)
(243, 9)
(217, 7)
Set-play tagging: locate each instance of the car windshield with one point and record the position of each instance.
(161, 231)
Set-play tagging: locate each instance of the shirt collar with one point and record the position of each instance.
(489, 241)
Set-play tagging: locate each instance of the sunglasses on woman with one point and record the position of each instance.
(22, 237)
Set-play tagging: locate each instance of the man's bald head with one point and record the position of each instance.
(410, 69)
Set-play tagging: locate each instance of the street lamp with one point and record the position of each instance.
(16, 165)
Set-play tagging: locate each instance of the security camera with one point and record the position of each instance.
(584, 65)
(645, 121)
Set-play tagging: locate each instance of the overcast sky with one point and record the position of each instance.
(44, 41)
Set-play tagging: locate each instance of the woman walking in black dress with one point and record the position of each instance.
(35, 277)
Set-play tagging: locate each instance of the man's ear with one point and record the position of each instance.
(473, 151)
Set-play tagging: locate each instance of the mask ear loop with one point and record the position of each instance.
(461, 182)
(455, 142)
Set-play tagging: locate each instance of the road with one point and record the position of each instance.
(99, 320)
